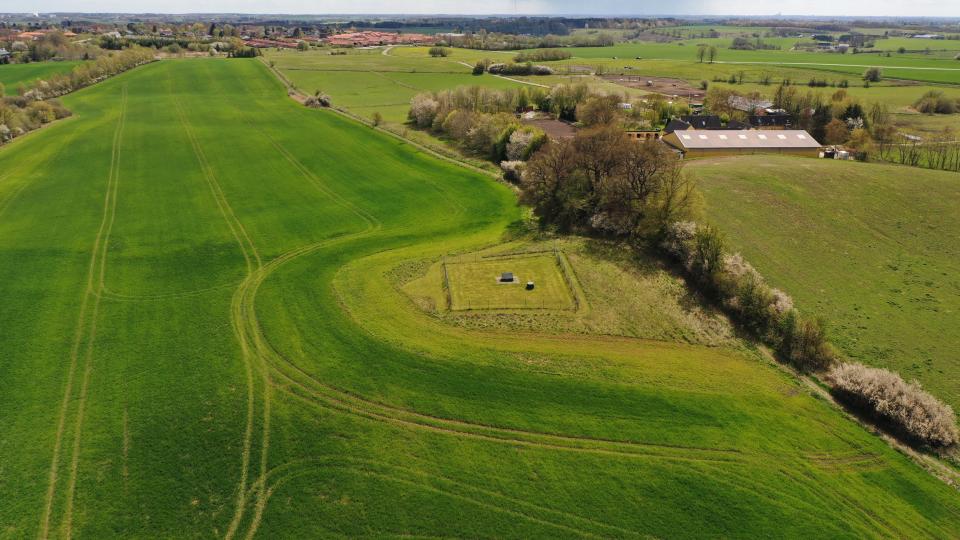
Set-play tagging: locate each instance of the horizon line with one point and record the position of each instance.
(506, 15)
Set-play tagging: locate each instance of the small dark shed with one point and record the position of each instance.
(506, 277)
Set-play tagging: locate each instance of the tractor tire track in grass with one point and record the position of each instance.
(253, 263)
(85, 329)
(301, 385)
(244, 320)
(305, 386)
(442, 485)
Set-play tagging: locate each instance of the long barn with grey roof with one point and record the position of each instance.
(697, 143)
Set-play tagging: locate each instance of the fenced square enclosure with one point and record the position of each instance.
(475, 283)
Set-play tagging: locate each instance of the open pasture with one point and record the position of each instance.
(872, 248)
(367, 81)
(201, 337)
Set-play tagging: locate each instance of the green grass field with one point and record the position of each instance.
(474, 284)
(367, 81)
(12, 75)
(873, 248)
(202, 337)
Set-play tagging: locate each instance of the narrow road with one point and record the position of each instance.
(522, 82)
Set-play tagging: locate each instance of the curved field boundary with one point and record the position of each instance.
(247, 327)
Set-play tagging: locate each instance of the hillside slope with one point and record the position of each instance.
(875, 249)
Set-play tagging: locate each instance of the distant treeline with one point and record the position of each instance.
(533, 26)
(512, 42)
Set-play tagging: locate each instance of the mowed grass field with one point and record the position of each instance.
(872, 248)
(475, 284)
(201, 337)
(12, 75)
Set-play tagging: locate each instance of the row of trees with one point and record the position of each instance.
(19, 115)
(32, 106)
(765, 312)
(569, 102)
(427, 109)
(89, 73)
(940, 151)
(528, 68)
(481, 121)
(706, 51)
(905, 407)
(543, 55)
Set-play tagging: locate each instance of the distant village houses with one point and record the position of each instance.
(373, 39)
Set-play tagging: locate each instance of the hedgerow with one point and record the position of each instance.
(33, 106)
(766, 312)
(907, 406)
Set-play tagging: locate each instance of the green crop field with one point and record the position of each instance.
(203, 337)
(873, 248)
(12, 75)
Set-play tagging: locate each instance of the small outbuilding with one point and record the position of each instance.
(507, 277)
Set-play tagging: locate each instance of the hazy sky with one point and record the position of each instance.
(943, 8)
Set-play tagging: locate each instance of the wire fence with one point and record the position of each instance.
(446, 284)
(525, 303)
(567, 278)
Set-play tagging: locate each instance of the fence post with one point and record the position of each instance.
(446, 283)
